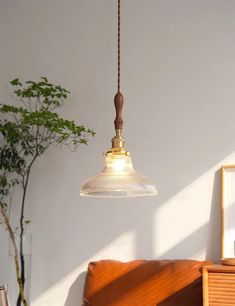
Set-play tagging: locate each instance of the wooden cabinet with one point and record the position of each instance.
(219, 285)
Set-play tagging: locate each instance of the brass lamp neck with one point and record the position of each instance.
(118, 144)
(117, 141)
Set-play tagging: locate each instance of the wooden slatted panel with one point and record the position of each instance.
(221, 289)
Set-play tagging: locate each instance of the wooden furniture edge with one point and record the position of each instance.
(219, 268)
(205, 294)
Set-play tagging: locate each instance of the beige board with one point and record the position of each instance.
(228, 214)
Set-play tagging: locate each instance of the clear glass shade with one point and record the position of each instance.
(118, 179)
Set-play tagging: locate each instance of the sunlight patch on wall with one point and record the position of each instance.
(181, 225)
(58, 295)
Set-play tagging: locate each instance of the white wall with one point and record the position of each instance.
(178, 79)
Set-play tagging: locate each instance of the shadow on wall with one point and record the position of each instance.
(75, 293)
(213, 245)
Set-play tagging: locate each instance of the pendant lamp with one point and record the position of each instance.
(118, 178)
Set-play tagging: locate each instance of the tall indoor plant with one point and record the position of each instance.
(26, 132)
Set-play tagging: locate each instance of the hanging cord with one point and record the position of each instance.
(119, 45)
(118, 99)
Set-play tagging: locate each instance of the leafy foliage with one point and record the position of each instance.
(28, 130)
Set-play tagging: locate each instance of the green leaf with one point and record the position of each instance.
(16, 82)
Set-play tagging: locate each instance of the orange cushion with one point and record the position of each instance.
(144, 283)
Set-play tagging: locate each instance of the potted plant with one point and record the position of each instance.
(26, 132)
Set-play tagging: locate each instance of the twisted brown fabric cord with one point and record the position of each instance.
(119, 45)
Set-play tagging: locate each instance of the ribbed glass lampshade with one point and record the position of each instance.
(118, 179)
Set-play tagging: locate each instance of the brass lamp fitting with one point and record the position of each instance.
(117, 141)
(118, 144)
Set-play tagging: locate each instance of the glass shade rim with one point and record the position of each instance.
(111, 193)
(147, 188)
